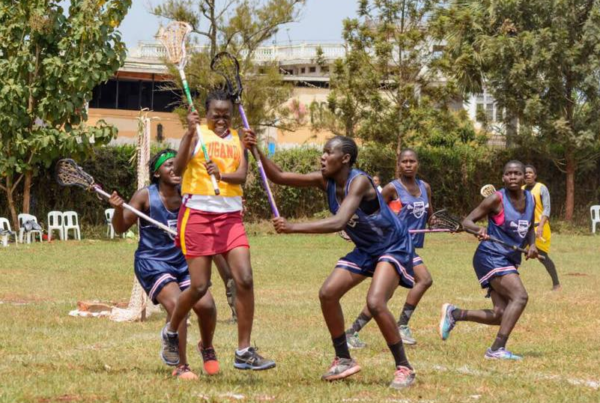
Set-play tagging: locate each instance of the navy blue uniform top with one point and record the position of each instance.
(414, 211)
(510, 226)
(373, 234)
(155, 243)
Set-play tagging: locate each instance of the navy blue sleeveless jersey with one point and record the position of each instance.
(415, 210)
(510, 226)
(376, 233)
(155, 243)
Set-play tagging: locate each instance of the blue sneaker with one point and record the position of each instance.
(501, 354)
(447, 322)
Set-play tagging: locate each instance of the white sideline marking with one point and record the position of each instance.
(538, 376)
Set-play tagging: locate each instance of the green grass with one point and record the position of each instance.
(48, 356)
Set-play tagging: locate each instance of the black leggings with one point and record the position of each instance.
(550, 268)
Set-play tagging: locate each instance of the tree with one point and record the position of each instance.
(50, 63)
(540, 61)
(239, 27)
(390, 79)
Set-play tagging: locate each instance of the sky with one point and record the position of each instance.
(321, 21)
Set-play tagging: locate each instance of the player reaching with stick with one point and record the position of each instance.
(212, 225)
(160, 266)
(383, 249)
(510, 214)
(410, 198)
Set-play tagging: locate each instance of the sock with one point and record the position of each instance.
(407, 312)
(242, 351)
(399, 354)
(359, 323)
(500, 342)
(341, 346)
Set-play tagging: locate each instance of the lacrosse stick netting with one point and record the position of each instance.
(228, 67)
(173, 38)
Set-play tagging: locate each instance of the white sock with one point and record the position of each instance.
(242, 351)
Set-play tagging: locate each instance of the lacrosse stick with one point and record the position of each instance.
(227, 66)
(487, 190)
(68, 173)
(173, 39)
(444, 222)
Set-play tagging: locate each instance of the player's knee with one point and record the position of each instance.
(245, 283)
(169, 304)
(426, 283)
(326, 294)
(521, 298)
(376, 305)
(198, 291)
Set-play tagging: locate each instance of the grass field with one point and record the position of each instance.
(48, 356)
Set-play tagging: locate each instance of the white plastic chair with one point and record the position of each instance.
(71, 221)
(55, 223)
(6, 232)
(23, 218)
(108, 215)
(595, 212)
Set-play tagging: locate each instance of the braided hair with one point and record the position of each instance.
(216, 95)
(348, 147)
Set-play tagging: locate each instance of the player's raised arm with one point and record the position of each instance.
(490, 205)
(277, 175)
(358, 189)
(187, 145)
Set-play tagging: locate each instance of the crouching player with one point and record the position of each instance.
(160, 266)
(383, 249)
(510, 213)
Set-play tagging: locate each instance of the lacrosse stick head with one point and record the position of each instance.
(68, 173)
(487, 190)
(228, 67)
(173, 38)
(443, 220)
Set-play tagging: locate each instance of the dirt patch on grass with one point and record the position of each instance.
(70, 398)
(577, 274)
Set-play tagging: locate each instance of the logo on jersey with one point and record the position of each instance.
(522, 227)
(353, 221)
(173, 225)
(417, 209)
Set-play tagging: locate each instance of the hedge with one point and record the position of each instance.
(455, 175)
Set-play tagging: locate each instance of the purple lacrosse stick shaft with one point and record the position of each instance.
(261, 169)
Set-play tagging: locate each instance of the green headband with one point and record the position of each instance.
(161, 160)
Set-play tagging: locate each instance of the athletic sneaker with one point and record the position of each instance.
(341, 368)
(170, 347)
(501, 354)
(184, 372)
(252, 360)
(406, 335)
(447, 321)
(354, 342)
(403, 378)
(209, 357)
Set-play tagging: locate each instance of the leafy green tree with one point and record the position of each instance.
(239, 27)
(390, 79)
(541, 62)
(50, 62)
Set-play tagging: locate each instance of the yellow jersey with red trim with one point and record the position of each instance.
(226, 153)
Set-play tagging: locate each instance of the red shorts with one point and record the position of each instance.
(208, 234)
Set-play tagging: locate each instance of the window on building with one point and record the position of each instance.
(135, 95)
(485, 103)
(312, 69)
(302, 70)
(325, 69)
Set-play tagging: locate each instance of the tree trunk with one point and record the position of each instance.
(398, 151)
(570, 197)
(11, 204)
(27, 192)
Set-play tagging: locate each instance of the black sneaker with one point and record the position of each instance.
(170, 347)
(252, 360)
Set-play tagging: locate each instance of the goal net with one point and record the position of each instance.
(140, 306)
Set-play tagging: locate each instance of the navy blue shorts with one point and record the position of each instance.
(417, 260)
(363, 264)
(487, 266)
(153, 275)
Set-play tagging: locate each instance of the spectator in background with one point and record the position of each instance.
(377, 183)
